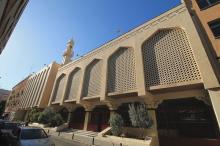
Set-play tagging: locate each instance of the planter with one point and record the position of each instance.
(137, 132)
(38, 125)
(60, 128)
(104, 138)
(110, 140)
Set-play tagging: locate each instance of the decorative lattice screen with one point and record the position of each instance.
(73, 84)
(92, 81)
(59, 88)
(168, 58)
(121, 71)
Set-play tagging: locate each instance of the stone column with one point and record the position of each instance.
(69, 117)
(215, 99)
(153, 130)
(87, 118)
(26, 115)
(112, 107)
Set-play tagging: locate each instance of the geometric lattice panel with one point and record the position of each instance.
(73, 84)
(92, 81)
(168, 58)
(58, 92)
(121, 71)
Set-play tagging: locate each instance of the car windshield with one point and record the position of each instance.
(33, 134)
(10, 125)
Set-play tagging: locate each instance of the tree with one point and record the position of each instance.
(33, 115)
(46, 116)
(139, 116)
(56, 120)
(50, 117)
(2, 107)
(116, 123)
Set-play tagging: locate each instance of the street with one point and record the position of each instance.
(59, 141)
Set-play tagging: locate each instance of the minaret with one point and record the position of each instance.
(68, 54)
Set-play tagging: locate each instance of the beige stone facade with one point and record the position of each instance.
(16, 93)
(160, 59)
(39, 86)
(13, 101)
(163, 59)
(10, 12)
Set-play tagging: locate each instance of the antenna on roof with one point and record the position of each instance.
(118, 31)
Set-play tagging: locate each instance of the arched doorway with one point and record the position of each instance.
(99, 118)
(77, 118)
(64, 114)
(186, 122)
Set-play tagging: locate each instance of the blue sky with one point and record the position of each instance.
(46, 25)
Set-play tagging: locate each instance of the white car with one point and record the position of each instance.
(31, 136)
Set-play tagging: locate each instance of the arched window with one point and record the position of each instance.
(59, 88)
(121, 71)
(92, 81)
(168, 58)
(73, 84)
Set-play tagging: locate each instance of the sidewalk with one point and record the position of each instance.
(59, 141)
(74, 135)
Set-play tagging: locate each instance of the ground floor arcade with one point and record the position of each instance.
(191, 120)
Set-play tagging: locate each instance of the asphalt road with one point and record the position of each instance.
(59, 141)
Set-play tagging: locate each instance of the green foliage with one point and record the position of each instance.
(50, 117)
(139, 116)
(64, 114)
(33, 115)
(2, 107)
(46, 116)
(116, 123)
(56, 120)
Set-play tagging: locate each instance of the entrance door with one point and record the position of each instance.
(99, 119)
(77, 118)
(186, 122)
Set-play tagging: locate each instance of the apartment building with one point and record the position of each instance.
(10, 13)
(13, 101)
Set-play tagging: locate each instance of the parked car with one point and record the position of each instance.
(2, 123)
(7, 127)
(31, 136)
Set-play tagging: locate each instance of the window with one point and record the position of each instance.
(215, 27)
(33, 134)
(206, 3)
